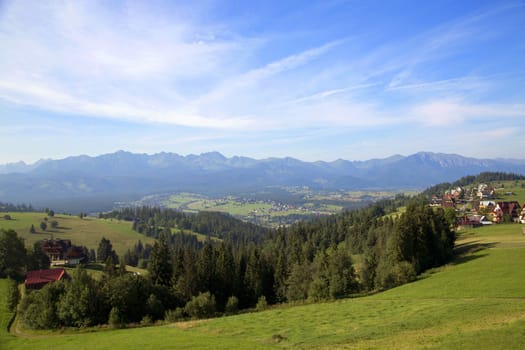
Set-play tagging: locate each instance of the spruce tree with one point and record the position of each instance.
(160, 266)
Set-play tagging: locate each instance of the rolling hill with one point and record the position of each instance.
(477, 302)
(83, 232)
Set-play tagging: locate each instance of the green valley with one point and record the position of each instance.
(277, 206)
(476, 302)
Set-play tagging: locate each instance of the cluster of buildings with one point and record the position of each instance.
(60, 253)
(481, 208)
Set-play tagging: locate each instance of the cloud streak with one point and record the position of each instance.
(451, 112)
(146, 64)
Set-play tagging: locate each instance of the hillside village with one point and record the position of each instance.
(481, 205)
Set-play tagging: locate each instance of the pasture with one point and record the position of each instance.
(476, 302)
(515, 190)
(85, 232)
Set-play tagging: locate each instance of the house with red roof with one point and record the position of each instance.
(39, 278)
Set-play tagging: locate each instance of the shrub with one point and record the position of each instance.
(232, 305)
(13, 295)
(115, 318)
(146, 321)
(395, 275)
(403, 272)
(38, 308)
(154, 307)
(174, 315)
(262, 304)
(201, 306)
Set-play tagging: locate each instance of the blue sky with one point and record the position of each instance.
(315, 80)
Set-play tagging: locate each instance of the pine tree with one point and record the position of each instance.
(206, 268)
(160, 266)
(105, 251)
(225, 274)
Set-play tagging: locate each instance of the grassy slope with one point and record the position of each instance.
(476, 303)
(514, 187)
(86, 232)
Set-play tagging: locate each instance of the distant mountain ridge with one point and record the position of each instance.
(123, 174)
(20, 167)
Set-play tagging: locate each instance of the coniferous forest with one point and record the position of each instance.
(243, 266)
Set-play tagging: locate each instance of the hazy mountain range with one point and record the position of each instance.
(123, 175)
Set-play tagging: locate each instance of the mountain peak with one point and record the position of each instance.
(214, 155)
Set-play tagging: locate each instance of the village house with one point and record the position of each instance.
(61, 252)
(485, 192)
(38, 279)
(456, 193)
(512, 209)
(448, 201)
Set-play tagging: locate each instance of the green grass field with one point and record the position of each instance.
(477, 302)
(85, 232)
(515, 187)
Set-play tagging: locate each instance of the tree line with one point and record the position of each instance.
(153, 221)
(243, 266)
(15, 259)
(15, 208)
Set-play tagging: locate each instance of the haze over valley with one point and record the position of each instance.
(94, 184)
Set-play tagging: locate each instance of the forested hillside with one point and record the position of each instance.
(245, 266)
(240, 265)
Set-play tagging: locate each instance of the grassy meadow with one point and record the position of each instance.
(86, 232)
(514, 187)
(476, 302)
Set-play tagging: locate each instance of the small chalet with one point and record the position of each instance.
(485, 192)
(62, 252)
(38, 279)
(506, 208)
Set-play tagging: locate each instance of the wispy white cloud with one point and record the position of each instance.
(454, 85)
(318, 96)
(499, 133)
(85, 60)
(453, 112)
(118, 62)
(256, 76)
